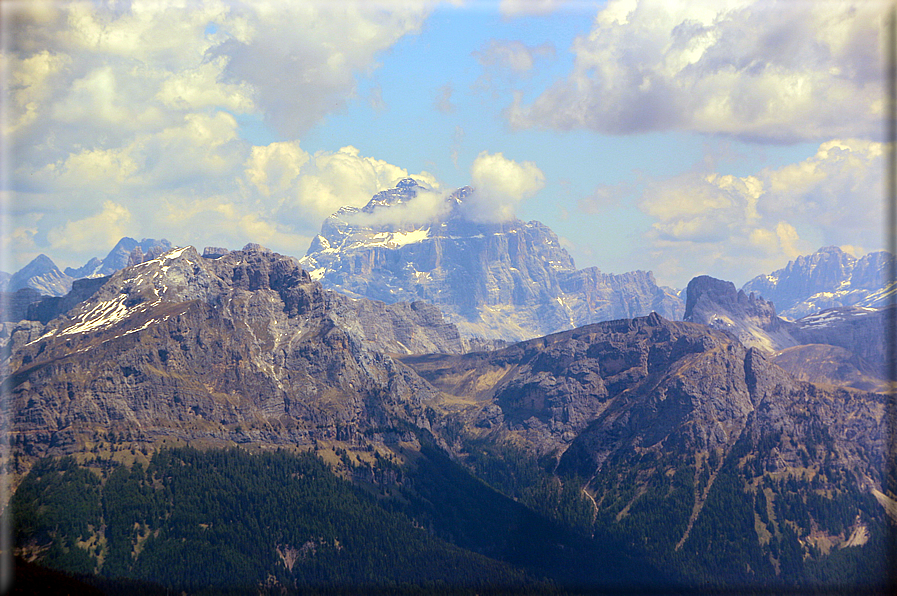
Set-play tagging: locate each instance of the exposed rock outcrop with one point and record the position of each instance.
(42, 275)
(826, 279)
(751, 319)
(246, 347)
(509, 280)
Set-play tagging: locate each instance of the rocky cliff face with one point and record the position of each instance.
(751, 319)
(841, 346)
(42, 275)
(631, 384)
(690, 445)
(511, 280)
(681, 435)
(242, 348)
(826, 279)
(859, 330)
(119, 257)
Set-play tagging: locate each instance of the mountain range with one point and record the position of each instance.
(828, 278)
(510, 280)
(250, 416)
(845, 346)
(43, 276)
(684, 449)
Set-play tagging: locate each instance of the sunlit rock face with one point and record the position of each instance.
(510, 280)
(839, 346)
(826, 279)
(749, 318)
(244, 347)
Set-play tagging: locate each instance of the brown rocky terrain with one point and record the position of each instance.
(843, 346)
(242, 348)
(689, 444)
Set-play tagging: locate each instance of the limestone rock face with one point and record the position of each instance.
(509, 280)
(858, 329)
(245, 347)
(666, 423)
(120, 256)
(604, 392)
(751, 319)
(840, 346)
(826, 279)
(42, 275)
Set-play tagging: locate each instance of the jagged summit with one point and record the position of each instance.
(509, 280)
(119, 257)
(42, 275)
(405, 190)
(686, 440)
(828, 278)
(750, 318)
(839, 346)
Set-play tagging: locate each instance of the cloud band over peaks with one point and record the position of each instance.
(720, 67)
(500, 184)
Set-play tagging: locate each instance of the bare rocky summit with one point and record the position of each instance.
(242, 348)
(828, 278)
(680, 434)
(844, 346)
(510, 280)
(751, 319)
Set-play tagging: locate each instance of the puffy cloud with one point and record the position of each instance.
(305, 188)
(302, 58)
(273, 169)
(129, 111)
(344, 177)
(199, 87)
(730, 225)
(228, 222)
(519, 8)
(28, 83)
(780, 71)
(500, 184)
(201, 146)
(425, 207)
(105, 227)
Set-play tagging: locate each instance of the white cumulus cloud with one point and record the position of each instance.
(106, 226)
(759, 70)
(124, 118)
(500, 184)
(728, 225)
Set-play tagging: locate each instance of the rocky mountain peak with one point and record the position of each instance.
(510, 280)
(405, 190)
(828, 278)
(122, 255)
(40, 274)
(750, 318)
(407, 183)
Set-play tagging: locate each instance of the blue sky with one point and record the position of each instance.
(686, 138)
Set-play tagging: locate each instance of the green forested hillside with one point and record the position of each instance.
(221, 521)
(228, 519)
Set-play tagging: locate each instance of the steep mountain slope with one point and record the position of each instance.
(241, 348)
(826, 279)
(693, 448)
(508, 280)
(839, 346)
(40, 274)
(751, 319)
(118, 257)
(697, 455)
